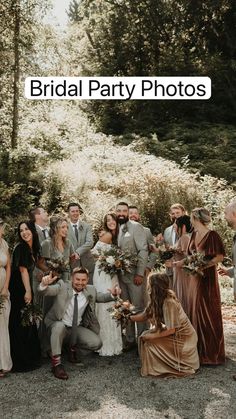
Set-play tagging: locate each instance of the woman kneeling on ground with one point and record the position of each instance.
(169, 347)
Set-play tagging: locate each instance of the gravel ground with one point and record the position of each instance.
(112, 388)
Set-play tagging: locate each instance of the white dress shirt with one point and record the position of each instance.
(82, 304)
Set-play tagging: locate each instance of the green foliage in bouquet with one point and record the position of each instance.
(121, 312)
(113, 260)
(194, 264)
(31, 314)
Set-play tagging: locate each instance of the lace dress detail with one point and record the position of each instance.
(110, 333)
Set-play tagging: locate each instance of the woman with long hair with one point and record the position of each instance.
(203, 293)
(5, 271)
(169, 347)
(109, 332)
(57, 250)
(25, 347)
(110, 224)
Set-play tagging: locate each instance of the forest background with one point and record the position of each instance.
(151, 153)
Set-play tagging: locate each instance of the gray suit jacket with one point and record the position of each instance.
(152, 257)
(83, 245)
(63, 292)
(168, 239)
(40, 234)
(133, 240)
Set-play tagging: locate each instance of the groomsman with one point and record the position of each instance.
(80, 235)
(169, 238)
(40, 218)
(72, 318)
(152, 257)
(132, 239)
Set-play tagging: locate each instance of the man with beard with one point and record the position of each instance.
(152, 257)
(132, 239)
(170, 236)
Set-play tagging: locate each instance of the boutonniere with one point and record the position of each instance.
(124, 229)
(81, 227)
(127, 234)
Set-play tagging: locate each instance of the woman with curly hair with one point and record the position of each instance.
(169, 347)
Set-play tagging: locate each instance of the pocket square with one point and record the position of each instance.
(127, 234)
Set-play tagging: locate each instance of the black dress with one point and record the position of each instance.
(24, 341)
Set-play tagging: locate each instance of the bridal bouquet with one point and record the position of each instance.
(113, 260)
(193, 264)
(121, 312)
(2, 302)
(31, 314)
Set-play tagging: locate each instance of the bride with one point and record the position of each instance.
(110, 333)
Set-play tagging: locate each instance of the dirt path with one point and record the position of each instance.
(112, 388)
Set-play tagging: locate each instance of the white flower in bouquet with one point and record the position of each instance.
(110, 260)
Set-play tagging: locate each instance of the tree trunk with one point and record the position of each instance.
(15, 113)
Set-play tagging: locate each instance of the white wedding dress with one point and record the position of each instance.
(110, 333)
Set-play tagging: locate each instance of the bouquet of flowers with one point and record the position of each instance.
(31, 314)
(164, 254)
(113, 260)
(2, 301)
(121, 312)
(58, 265)
(193, 264)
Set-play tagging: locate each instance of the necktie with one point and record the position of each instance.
(73, 338)
(44, 233)
(76, 231)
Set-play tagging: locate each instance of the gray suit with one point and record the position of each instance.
(88, 331)
(168, 236)
(36, 270)
(133, 239)
(83, 246)
(232, 271)
(152, 257)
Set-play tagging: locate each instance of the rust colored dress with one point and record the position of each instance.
(174, 355)
(204, 304)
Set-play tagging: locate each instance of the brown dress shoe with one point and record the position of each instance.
(59, 372)
(72, 357)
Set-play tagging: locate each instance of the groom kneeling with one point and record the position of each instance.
(72, 317)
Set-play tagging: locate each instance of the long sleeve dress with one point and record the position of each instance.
(174, 355)
(204, 304)
(25, 346)
(110, 333)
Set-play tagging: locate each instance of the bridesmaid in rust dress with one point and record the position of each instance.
(203, 293)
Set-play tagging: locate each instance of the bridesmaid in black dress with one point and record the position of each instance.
(25, 346)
